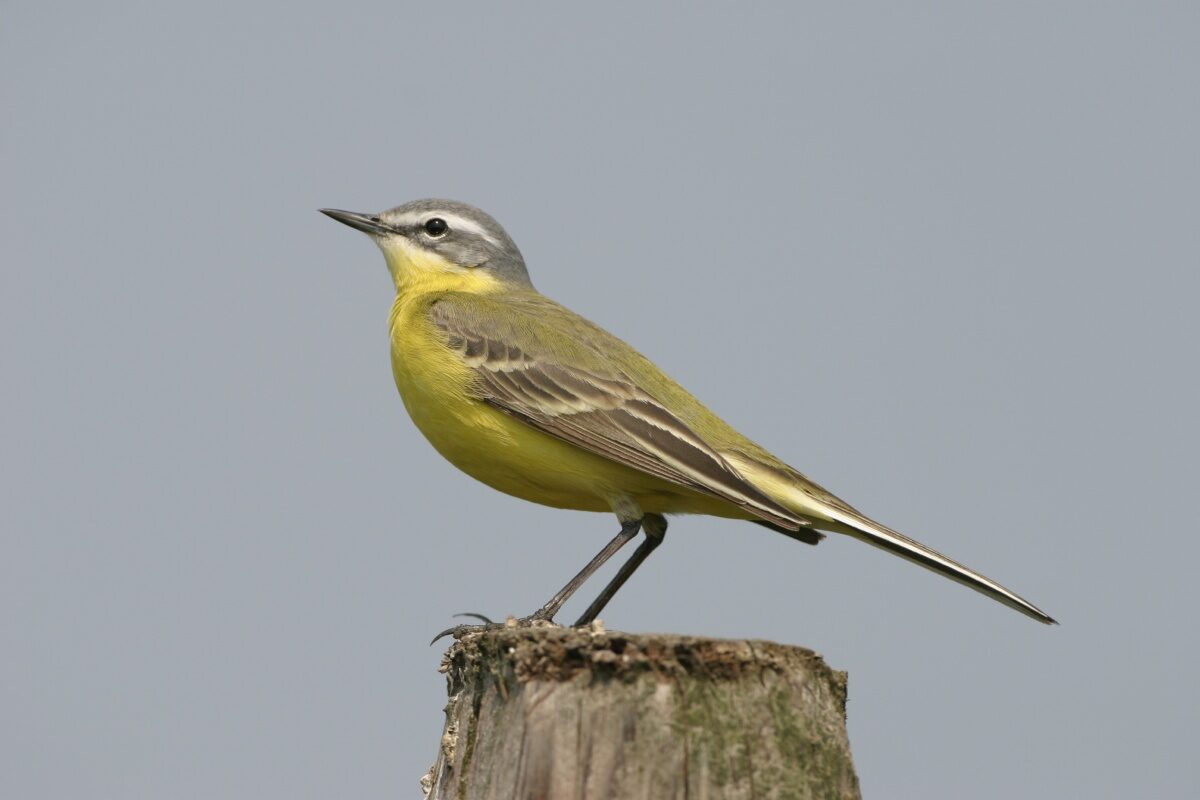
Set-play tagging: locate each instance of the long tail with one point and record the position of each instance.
(887, 539)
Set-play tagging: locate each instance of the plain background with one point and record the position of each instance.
(943, 260)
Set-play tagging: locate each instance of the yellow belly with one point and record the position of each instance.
(505, 453)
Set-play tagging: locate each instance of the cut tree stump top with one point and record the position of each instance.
(551, 713)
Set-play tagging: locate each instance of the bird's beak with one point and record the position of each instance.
(367, 223)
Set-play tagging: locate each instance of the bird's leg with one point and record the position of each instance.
(629, 529)
(655, 526)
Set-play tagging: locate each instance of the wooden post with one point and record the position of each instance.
(550, 713)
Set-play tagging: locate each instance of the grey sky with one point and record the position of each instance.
(945, 261)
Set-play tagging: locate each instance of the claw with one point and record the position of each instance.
(538, 617)
(457, 629)
(443, 634)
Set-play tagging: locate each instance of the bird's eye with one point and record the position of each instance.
(436, 227)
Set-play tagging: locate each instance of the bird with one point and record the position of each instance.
(534, 400)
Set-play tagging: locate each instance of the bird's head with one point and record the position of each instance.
(444, 242)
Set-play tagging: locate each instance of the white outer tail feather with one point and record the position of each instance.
(887, 539)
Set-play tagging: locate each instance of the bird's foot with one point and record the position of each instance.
(537, 619)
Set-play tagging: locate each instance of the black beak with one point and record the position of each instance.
(367, 223)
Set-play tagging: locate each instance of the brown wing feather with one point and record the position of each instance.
(607, 414)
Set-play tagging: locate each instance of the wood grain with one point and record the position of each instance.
(550, 713)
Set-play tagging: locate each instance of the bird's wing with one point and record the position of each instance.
(545, 366)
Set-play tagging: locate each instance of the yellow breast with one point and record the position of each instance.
(439, 393)
(487, 444)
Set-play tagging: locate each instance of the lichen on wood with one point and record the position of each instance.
(550, 713)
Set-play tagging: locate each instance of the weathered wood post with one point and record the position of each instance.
(551, 713)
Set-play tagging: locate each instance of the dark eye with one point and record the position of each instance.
(436, 227)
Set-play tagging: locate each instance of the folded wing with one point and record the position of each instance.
(597, 408)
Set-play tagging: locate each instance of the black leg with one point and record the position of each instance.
(628, 531)
(546, 613)
(655, 527)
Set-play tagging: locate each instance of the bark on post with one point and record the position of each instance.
(551, 713)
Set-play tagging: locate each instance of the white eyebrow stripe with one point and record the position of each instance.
(455, 221)
(463, 224)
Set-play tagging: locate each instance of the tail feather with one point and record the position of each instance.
(808, 534)
(810, 502)
(873, 533)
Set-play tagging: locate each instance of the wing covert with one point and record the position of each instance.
(593, 405)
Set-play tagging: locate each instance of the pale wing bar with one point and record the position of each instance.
(606, 415)
(628, 431)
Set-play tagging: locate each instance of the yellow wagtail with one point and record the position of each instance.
(536, 401)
